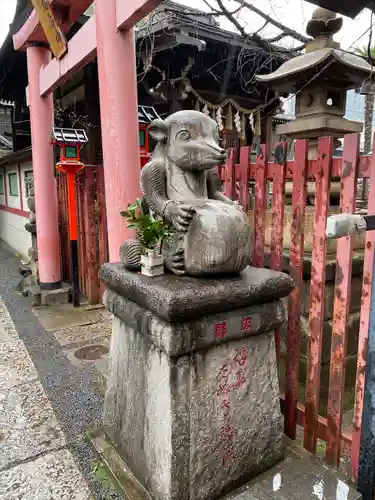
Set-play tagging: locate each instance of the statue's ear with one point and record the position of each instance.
(158, 130)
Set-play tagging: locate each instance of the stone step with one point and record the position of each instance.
(299, 476)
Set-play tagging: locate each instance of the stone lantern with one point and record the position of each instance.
(320, 78)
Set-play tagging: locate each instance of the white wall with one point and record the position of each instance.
(13, 232)
(14, 211)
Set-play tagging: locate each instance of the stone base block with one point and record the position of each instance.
(56, 297)
(26, 285)
(194, 426)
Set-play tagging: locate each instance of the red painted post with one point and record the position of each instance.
(117, 70)
(66, 226)
(316, 305)
(364, 324)
(81, 180)
(93, 292)
(277, 237)
(41, 122)
(245, 158)
(260, 206)
(83, 274)
(341, 307)
(230, 176)
(72, 219)
(299, 196)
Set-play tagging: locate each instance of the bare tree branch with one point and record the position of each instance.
(69, 118)
(288, 31)
(254, 36)
(259, 40)
(217, 12)
(262, 42)
(279, 37)
(262, 28)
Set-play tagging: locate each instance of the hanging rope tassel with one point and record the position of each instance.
(229, 118)
(243, 127)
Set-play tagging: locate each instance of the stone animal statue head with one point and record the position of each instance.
(189, 139)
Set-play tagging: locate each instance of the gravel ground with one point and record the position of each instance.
(71, 390)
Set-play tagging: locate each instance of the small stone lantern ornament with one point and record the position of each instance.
(320, 78)
(70, 142)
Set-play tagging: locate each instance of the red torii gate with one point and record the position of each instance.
(109, 36)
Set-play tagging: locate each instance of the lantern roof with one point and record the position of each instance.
(350, 69)
(323, 61)
(69, 136)
(345, 7)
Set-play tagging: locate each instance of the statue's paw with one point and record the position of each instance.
(180, 215)
(176, 263)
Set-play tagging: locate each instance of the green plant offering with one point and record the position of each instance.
(151, 231)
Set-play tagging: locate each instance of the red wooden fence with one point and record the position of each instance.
(348, 169)
(236, 180)
(92, 230)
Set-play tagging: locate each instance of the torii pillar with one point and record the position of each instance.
(41, 121)
(119, 118)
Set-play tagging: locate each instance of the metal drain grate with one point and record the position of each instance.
(91, 352)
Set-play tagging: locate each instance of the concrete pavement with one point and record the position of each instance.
(49, 399)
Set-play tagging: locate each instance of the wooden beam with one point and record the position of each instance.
(31, 30)
(81, 50)
(129, 13)
(82, 47)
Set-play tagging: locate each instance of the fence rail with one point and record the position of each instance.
(237, 179)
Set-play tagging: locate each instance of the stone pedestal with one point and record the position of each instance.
(192, 400)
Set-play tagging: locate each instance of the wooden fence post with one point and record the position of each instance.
(245, 159)
(278, 201)
(341, 307)
(260, 206)
(230, 176)
(93, 291)
(366, 472)
(316, 304)
(299, 196)
(359, 426)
